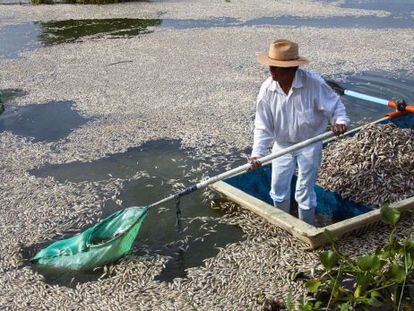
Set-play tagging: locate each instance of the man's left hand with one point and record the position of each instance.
(339, 129)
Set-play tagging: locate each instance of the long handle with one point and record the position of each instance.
(400, 106)
(243, 168)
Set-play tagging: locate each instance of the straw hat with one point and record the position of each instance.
(282, 53)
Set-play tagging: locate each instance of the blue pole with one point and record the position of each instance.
(366, 97)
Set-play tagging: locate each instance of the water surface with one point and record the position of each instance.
(15, 39)
(42, 122)
(160, 165)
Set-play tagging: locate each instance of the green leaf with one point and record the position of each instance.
(329, 259)
(409, 247)
(397, 272)
(313, 285)
(390, 215)
(369, 263)
(330, 236)
(363, 279)
(358, 291)
(344, 307)
(374, 299)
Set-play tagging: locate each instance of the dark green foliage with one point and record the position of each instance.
(79, 1)
(379, 279)
(67, 31)
(42, 1)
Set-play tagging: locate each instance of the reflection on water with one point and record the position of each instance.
(44, 122)
(159, 165)
(15, 39)
(58, 32)
(9, 94)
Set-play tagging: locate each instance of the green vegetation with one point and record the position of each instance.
(382, 279)
(67, 31)
(78, 1)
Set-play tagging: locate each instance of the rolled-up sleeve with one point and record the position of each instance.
(263, 126)
(331, 105)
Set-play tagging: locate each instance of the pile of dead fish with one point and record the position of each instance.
(375, 167)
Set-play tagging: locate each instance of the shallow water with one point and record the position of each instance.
(15, 39)
(397, 8)
(161, 164)
(164, 164)
(383, 85)
(164, 160)
(42, 122)
(320, 22)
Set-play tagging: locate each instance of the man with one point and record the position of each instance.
(293, 105)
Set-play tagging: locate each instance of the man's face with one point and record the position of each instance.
(280, 73)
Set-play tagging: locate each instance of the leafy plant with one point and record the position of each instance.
(372, 280)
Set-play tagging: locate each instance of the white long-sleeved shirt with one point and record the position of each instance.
(302, 114)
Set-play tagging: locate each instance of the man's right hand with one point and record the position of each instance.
(254, 163)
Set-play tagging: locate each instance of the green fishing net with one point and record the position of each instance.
(104, 243)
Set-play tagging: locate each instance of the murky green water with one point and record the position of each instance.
(15, 39)
(160, 165)
(42, 122)
(67, 31)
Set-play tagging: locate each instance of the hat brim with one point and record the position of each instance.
(264, 59)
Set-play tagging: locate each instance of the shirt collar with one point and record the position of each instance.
(296, 84)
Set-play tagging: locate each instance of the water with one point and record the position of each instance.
(379, 84)
(58, 32)
(320, 22)
(397, 8)
(164, 160)
(15, 39)
(10, 94)
(164, 164)
(42, 122)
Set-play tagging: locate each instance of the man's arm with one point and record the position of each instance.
(263, 127)
(330, 103)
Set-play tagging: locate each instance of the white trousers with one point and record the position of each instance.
(307, 160)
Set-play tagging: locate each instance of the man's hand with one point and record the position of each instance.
(254, 163)
(339, 129)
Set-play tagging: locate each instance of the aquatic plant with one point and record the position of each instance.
(78, 1)
(379, 279)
